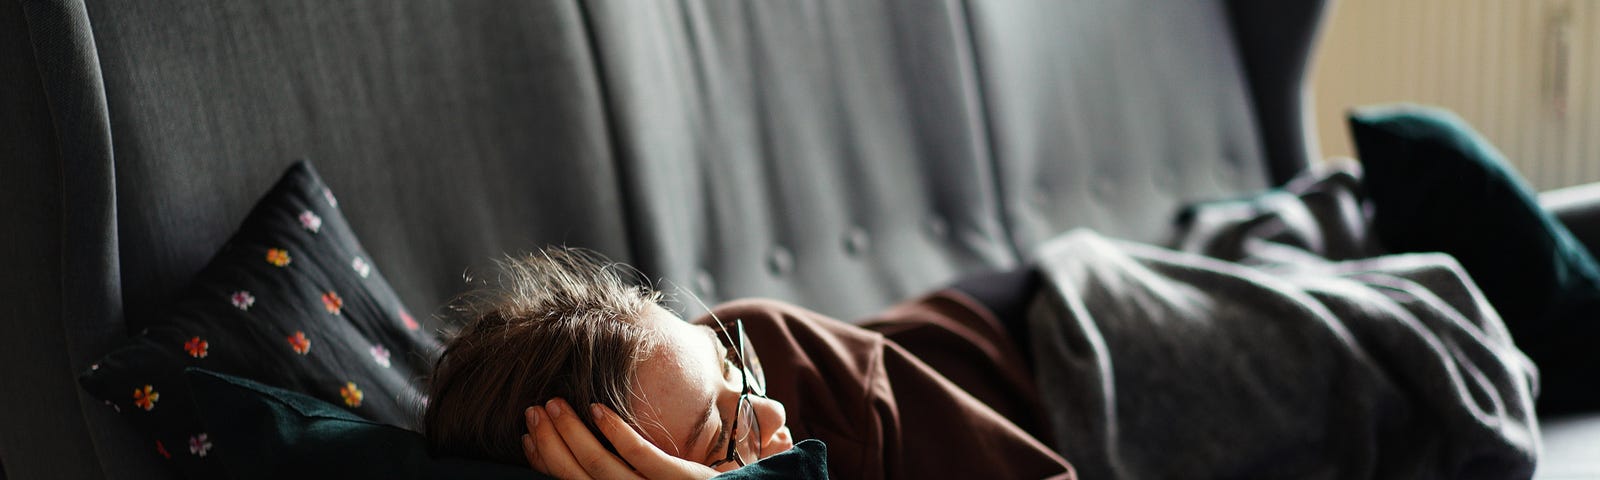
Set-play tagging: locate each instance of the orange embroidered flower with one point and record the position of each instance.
(196, 347)
(277, 256)
(146, 397)
(300, 343)
(411, 323)
(332, 302)
(352, 395)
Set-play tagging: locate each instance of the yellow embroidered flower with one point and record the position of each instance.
(277, 257)
(352, 395)
(146, 397)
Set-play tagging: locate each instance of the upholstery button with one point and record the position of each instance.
(1162, 178)
(1103, 189)
(704, 284)
(938, 227)
(856, 241)
(780, 261)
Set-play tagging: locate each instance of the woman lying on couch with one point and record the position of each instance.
(616, 372)
(1154, 364)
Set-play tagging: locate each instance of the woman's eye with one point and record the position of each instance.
(728, 368)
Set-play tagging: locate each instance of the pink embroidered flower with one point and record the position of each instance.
(196, 347)
(146, 397)
(380, 355)
(300, 343)
(162, 449)
(411, 323)
(243, 299)
(332, 302)
(310, 221)
(352, 395)
(199, 445)
(277, 257)
(328, 194)
(361, 267)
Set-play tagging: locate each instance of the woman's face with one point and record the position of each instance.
(687, 395)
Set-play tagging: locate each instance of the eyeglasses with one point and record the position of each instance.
(744, 438)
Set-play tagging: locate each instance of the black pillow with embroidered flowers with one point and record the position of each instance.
(292, 301)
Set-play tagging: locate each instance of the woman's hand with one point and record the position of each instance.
(559, 445)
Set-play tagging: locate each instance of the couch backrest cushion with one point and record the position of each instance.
(848, 154)
(841, 154)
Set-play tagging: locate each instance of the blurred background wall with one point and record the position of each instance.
(1525, 73)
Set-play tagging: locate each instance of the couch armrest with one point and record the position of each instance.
(1579, 209)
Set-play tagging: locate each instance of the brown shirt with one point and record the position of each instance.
(884, 412)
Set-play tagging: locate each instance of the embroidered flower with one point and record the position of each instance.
(162, 449)
(199, 445)
(411, 323)
(277, 257)
(243, 299)
(328, 194)
(146, 397)
(361, 266)
(332, 302)
(352, 395)
(380, 355)
(310, 221)
(300, 343)
(94, 366)
(196, 347)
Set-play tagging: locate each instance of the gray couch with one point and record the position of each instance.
(840, 154)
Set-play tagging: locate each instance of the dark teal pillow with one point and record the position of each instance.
(808, 460)
(1438, 186)
(264, 432)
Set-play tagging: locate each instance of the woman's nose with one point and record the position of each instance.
(770, 415)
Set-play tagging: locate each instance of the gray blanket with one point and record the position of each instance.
(1277, 364)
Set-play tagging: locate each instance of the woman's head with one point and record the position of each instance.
(559, 323)
(565, 323)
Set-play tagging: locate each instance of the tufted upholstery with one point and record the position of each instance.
(840, 154)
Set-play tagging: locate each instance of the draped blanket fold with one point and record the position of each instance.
(1162, 364)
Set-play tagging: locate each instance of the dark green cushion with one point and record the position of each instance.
(258, 431)
(808, 460)
(264, 432)
(1437, 185)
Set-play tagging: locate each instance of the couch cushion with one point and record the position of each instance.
(293, 301)
(847, 154)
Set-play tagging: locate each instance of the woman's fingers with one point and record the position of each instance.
(529, 447)
(585, 449)
(550, 449)
(645, 457)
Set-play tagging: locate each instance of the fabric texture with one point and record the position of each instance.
(1161, 364)
(972, 346)
(1438, 186)
(807, 460)
(882, 412)
(263, 432)
(292, 301)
